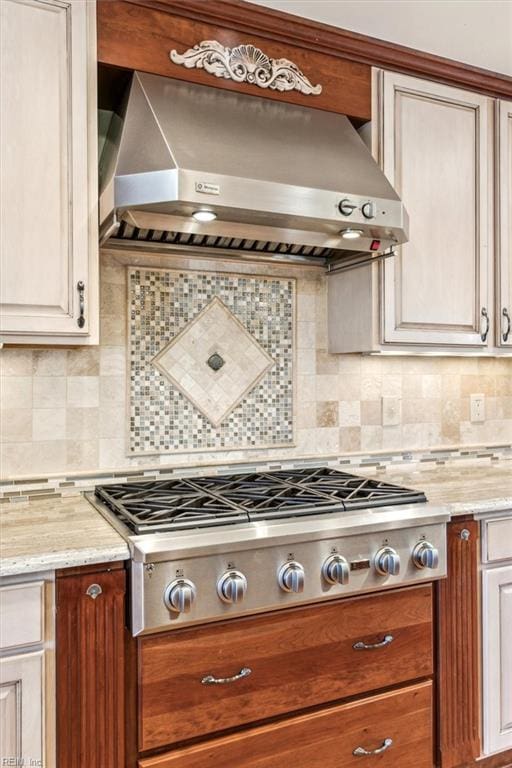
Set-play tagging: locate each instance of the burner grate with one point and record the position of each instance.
(204, 502)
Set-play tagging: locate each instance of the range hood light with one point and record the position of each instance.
(351, 234)
(204, 216)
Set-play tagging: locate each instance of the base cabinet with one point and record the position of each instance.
(90, 668)
(497, 658)
(390, 729)
(21, 709)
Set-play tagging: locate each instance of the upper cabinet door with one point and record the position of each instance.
(435, 146)
(49, 181)
(504, 231)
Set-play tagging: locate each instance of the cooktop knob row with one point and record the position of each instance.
(180, 595)
(232, 587)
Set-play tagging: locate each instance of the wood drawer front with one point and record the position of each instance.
(498, 535)
(21, 614)
(299, 658)
(325, 739)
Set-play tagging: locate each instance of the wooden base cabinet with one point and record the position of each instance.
(390, 729)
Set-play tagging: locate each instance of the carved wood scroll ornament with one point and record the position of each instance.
(246, 64)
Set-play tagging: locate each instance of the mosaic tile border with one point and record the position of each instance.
(29, 489)
(163, 304)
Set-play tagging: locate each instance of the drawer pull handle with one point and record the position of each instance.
(81, 303)
(362, 752)
(506, 333)
(484, 313)
(360, 646)
(211, 680)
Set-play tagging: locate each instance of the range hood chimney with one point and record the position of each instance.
(198, 166)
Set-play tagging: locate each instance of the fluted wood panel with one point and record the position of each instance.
(90, 671)
(458, 630)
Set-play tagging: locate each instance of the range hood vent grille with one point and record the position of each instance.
(128, 232)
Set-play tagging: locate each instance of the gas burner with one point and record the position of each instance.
(204, 502)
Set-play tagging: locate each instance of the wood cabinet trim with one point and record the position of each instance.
(333, 41)
(458, 681)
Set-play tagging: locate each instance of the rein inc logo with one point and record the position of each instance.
(22, 761)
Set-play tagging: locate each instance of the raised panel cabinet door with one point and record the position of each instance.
(497, 659)
(48, 182)
(21, 709)
(504, 229)
(436, 149)
(90, 668)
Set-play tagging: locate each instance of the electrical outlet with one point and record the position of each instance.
(391, 411)
(477, 408)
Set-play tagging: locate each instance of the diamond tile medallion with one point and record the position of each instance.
(214, 361)
(211, 359)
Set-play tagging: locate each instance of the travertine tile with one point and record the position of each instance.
(50, 391)
(16, 392)
(83, 391)
(326, 387)
(16, 362)
(327, 414)
(49, 362)
(371, 438)
(350, 439)
(83, 362)
(81, 454)
(350, 413)
(49, 424)
(16, 425)
(112, 361)
(371, 412)
(82, 423)
(111, 422)
(112, 390)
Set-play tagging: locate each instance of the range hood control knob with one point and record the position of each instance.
(232, 587)
(425, 555)
(291, 577)
(336, 570)
(387, 562)
(369, 210)
(180, 595)
(345, 207)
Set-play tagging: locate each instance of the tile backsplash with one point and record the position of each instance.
(64, 411)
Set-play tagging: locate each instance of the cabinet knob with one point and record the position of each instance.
(345, 207)
(94, 591)
(291, 577)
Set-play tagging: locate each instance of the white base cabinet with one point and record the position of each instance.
(48, 156)
(497, 634)
(27, 671)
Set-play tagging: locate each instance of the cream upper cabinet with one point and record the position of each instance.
(49, 240)
(504, 228)
(435, 145)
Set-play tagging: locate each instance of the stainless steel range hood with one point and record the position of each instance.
(280, 179)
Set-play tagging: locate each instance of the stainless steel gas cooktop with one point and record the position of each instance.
(167, 505)
(213, 548)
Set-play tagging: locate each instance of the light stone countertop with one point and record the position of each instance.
(466, 489)
(59, 533)
(56, 533)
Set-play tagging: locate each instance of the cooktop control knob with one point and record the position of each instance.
(336, 570)
(387, 562)
(346, 207)
(180, 595)
(425, 555)
(291, 577)
(369, 210)
(232, 587)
